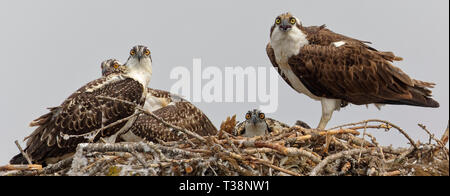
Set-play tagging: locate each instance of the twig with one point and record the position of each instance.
(53, 168)
(140, 159)
(230, 142)
(432, 137)
(98, 165)
(24, 154)
(362, 144)
(283, 150)
(392, 173)
(195, 135)
(387, 127)
(21, 167)
(323, 133)
(92, 135)
(279, 168)
(438, 141)
(209, 165)
(444, 138)
(402, 156)
(336, 156)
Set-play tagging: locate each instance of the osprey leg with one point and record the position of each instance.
(328, 107)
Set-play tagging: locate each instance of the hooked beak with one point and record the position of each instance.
(285, 26)
(254, 120)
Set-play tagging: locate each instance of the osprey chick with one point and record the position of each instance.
(170, 107)
(81, 116)
(254, 125)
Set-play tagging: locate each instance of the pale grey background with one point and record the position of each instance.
(48, 49)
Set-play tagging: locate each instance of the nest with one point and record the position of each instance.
(347, 150)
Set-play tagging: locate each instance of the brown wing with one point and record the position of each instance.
(356, 74)
(239, 129)
(275, 125)
(80, 115)
(181, 114)
(319, 35)
(158, 93)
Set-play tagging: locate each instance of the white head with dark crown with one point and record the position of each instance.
(139, 64)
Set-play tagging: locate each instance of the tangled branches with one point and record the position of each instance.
(295, 151)
(292, 151)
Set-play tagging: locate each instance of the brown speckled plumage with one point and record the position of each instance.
(175, 110)
(81, 114)
(182, 114)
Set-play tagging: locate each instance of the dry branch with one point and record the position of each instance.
(157, 117)
(292, 151)
(24, 154)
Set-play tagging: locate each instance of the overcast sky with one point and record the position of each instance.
(48, 49)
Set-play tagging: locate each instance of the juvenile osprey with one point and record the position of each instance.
(257, 124)
(169, 107)
(254, 125)
(302, 124)
(81, 115)
(112, 66)
(155, 99)
(337, 70)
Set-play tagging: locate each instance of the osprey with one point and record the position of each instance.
(81, 116)
(337, 70)
(155, 99)
(256, 124)
(169, 107)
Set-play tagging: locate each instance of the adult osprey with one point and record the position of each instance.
(338, 70)
(81, 116)
(169, 107)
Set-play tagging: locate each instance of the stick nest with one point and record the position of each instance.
(347, 150)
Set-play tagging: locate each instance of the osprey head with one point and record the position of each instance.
(139, 64)
(254, 117)
(286, 22)
(287, 37)
(255, 124)
(111, 66)
(140, 53)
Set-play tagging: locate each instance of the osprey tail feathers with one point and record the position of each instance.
(420, 96)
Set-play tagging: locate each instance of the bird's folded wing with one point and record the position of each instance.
(80, 115)
(181, 114)
(350, 72)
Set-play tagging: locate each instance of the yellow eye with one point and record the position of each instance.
(132, 53)
(278, 21)
(147, 52)
(116, 65)
(262, 116)
(293, 21)
(247, 116)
